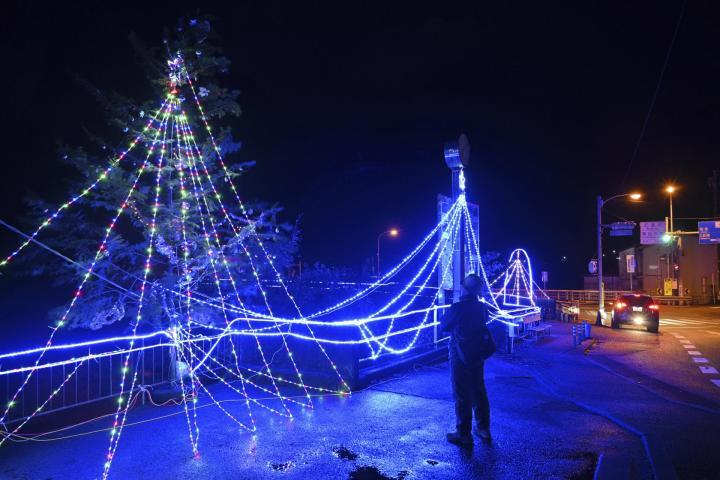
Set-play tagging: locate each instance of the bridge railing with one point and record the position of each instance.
(583, 295)
(610, 295)
(96, 381)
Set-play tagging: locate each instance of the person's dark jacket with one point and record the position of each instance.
(470, 338)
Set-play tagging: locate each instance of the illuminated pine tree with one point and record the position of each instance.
(194, 185)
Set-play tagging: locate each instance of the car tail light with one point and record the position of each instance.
(654, 307)
(620, 305)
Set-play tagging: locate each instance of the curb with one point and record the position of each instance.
(659, 461)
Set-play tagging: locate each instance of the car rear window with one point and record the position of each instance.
(643, 300)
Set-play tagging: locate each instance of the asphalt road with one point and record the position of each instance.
(685, 353)
(664, 387)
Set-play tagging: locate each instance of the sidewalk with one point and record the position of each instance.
(394, 429)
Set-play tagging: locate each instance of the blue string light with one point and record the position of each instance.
(394, 327)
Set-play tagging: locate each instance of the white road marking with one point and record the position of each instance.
(680, 337)
(684, 341)
(676, 321)
(685, 327)
(700, 360)
(691, 347)
(708, 370)
(670, 322)
(693, 352)
(716, 382)
(713, 333)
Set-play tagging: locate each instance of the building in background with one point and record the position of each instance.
(692, 272)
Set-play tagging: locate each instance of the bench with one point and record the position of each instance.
(531, 327)
(537, 331)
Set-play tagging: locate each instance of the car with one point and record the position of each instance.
(636, 309)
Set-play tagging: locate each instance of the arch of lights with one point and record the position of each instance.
(403, 316)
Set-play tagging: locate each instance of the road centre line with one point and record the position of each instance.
(690, 347)
(700, 360)
(693, 352)
(708, 370)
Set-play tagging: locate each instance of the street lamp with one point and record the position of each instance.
(670, 189)
(669, 237)
(601, 292)
(393, 232)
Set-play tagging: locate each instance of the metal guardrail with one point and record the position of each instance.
(583, 295)
(592, 296)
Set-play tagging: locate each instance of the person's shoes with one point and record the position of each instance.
(482, 433)
(460, 439)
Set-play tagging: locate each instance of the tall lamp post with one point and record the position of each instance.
(601, 291)
(670, 189)
(393, 232)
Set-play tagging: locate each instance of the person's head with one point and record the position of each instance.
(472, 285)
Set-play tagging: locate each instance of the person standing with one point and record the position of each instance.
(470, 345)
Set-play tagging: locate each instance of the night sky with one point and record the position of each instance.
(346, 106)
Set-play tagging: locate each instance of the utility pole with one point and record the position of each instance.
(601, 290)
(714, 183)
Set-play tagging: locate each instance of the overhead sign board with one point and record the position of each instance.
(651, 233)
(621, 229)
(709, 233)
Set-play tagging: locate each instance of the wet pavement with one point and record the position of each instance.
(555, 411)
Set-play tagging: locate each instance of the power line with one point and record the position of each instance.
(655, 94)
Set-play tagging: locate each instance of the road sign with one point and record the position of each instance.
(709, 232)
(592, 266)
(651, 233)
(668, 287)
(630, 263)
(622, 229)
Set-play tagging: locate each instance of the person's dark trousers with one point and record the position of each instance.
(469, 390)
